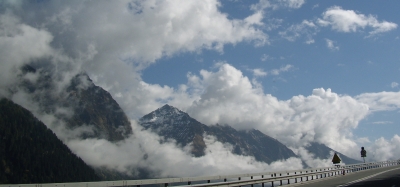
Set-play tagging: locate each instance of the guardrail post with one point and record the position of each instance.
(288, 181)
(272, 182)
(189, 183)
(262, 176)
(301, 179)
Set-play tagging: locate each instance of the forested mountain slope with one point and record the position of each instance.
(32, 153)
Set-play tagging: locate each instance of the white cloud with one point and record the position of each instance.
(350, 21)
(293, 3)
(266, 57)
(275, 4)
(143, 150)
(380, 101)
(383, 149)
(310, 41)
(331, 44)
(19, 44)
(382, 122)
(259, 72)
(363, 140)
(228, 97)
(306, 27)
(125, 38)
(394, 84)
(282, 69)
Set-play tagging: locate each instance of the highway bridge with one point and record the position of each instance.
(386, 173)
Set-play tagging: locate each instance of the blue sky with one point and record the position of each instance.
(300, 71)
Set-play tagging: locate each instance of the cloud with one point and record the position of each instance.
(394, 85)
(259, 72)
(114, 46)
(331, 44)
(282, 69)
(19, 44)
(382, 122)
(306, 27)
(275, 4)
(266, 57)
(350, 21)
(383, 149)
(143, 150)
(381, 101)
(292, 3)
(228, 97)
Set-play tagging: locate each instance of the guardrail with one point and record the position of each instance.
(269, 178)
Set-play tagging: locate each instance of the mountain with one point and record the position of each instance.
(95, 106)
(32, 153)
(90, 104)
(323, 152)
(170, 122)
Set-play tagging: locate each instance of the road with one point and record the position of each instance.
(382, 177)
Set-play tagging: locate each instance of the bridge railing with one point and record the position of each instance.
(270, 178)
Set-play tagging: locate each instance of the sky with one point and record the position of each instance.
(300, 71)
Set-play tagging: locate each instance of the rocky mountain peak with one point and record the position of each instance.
(164, 113)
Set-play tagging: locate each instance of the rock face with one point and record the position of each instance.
(32, 153)
(85, 103)
(170, 122)
(253, 143)
(95, 106)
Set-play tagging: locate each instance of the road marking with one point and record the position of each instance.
(365, 178)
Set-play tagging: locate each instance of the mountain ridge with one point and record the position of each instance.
(170, 122)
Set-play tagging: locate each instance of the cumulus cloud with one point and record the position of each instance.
(350, 21)
(383, 149)
(228, 97)
(112, 47)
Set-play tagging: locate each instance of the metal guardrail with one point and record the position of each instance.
(270, 178)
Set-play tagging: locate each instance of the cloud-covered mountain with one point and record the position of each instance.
(170, 122)
(82, 105)
(322, 151)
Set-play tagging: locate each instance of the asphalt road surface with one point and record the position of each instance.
(380, 177)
